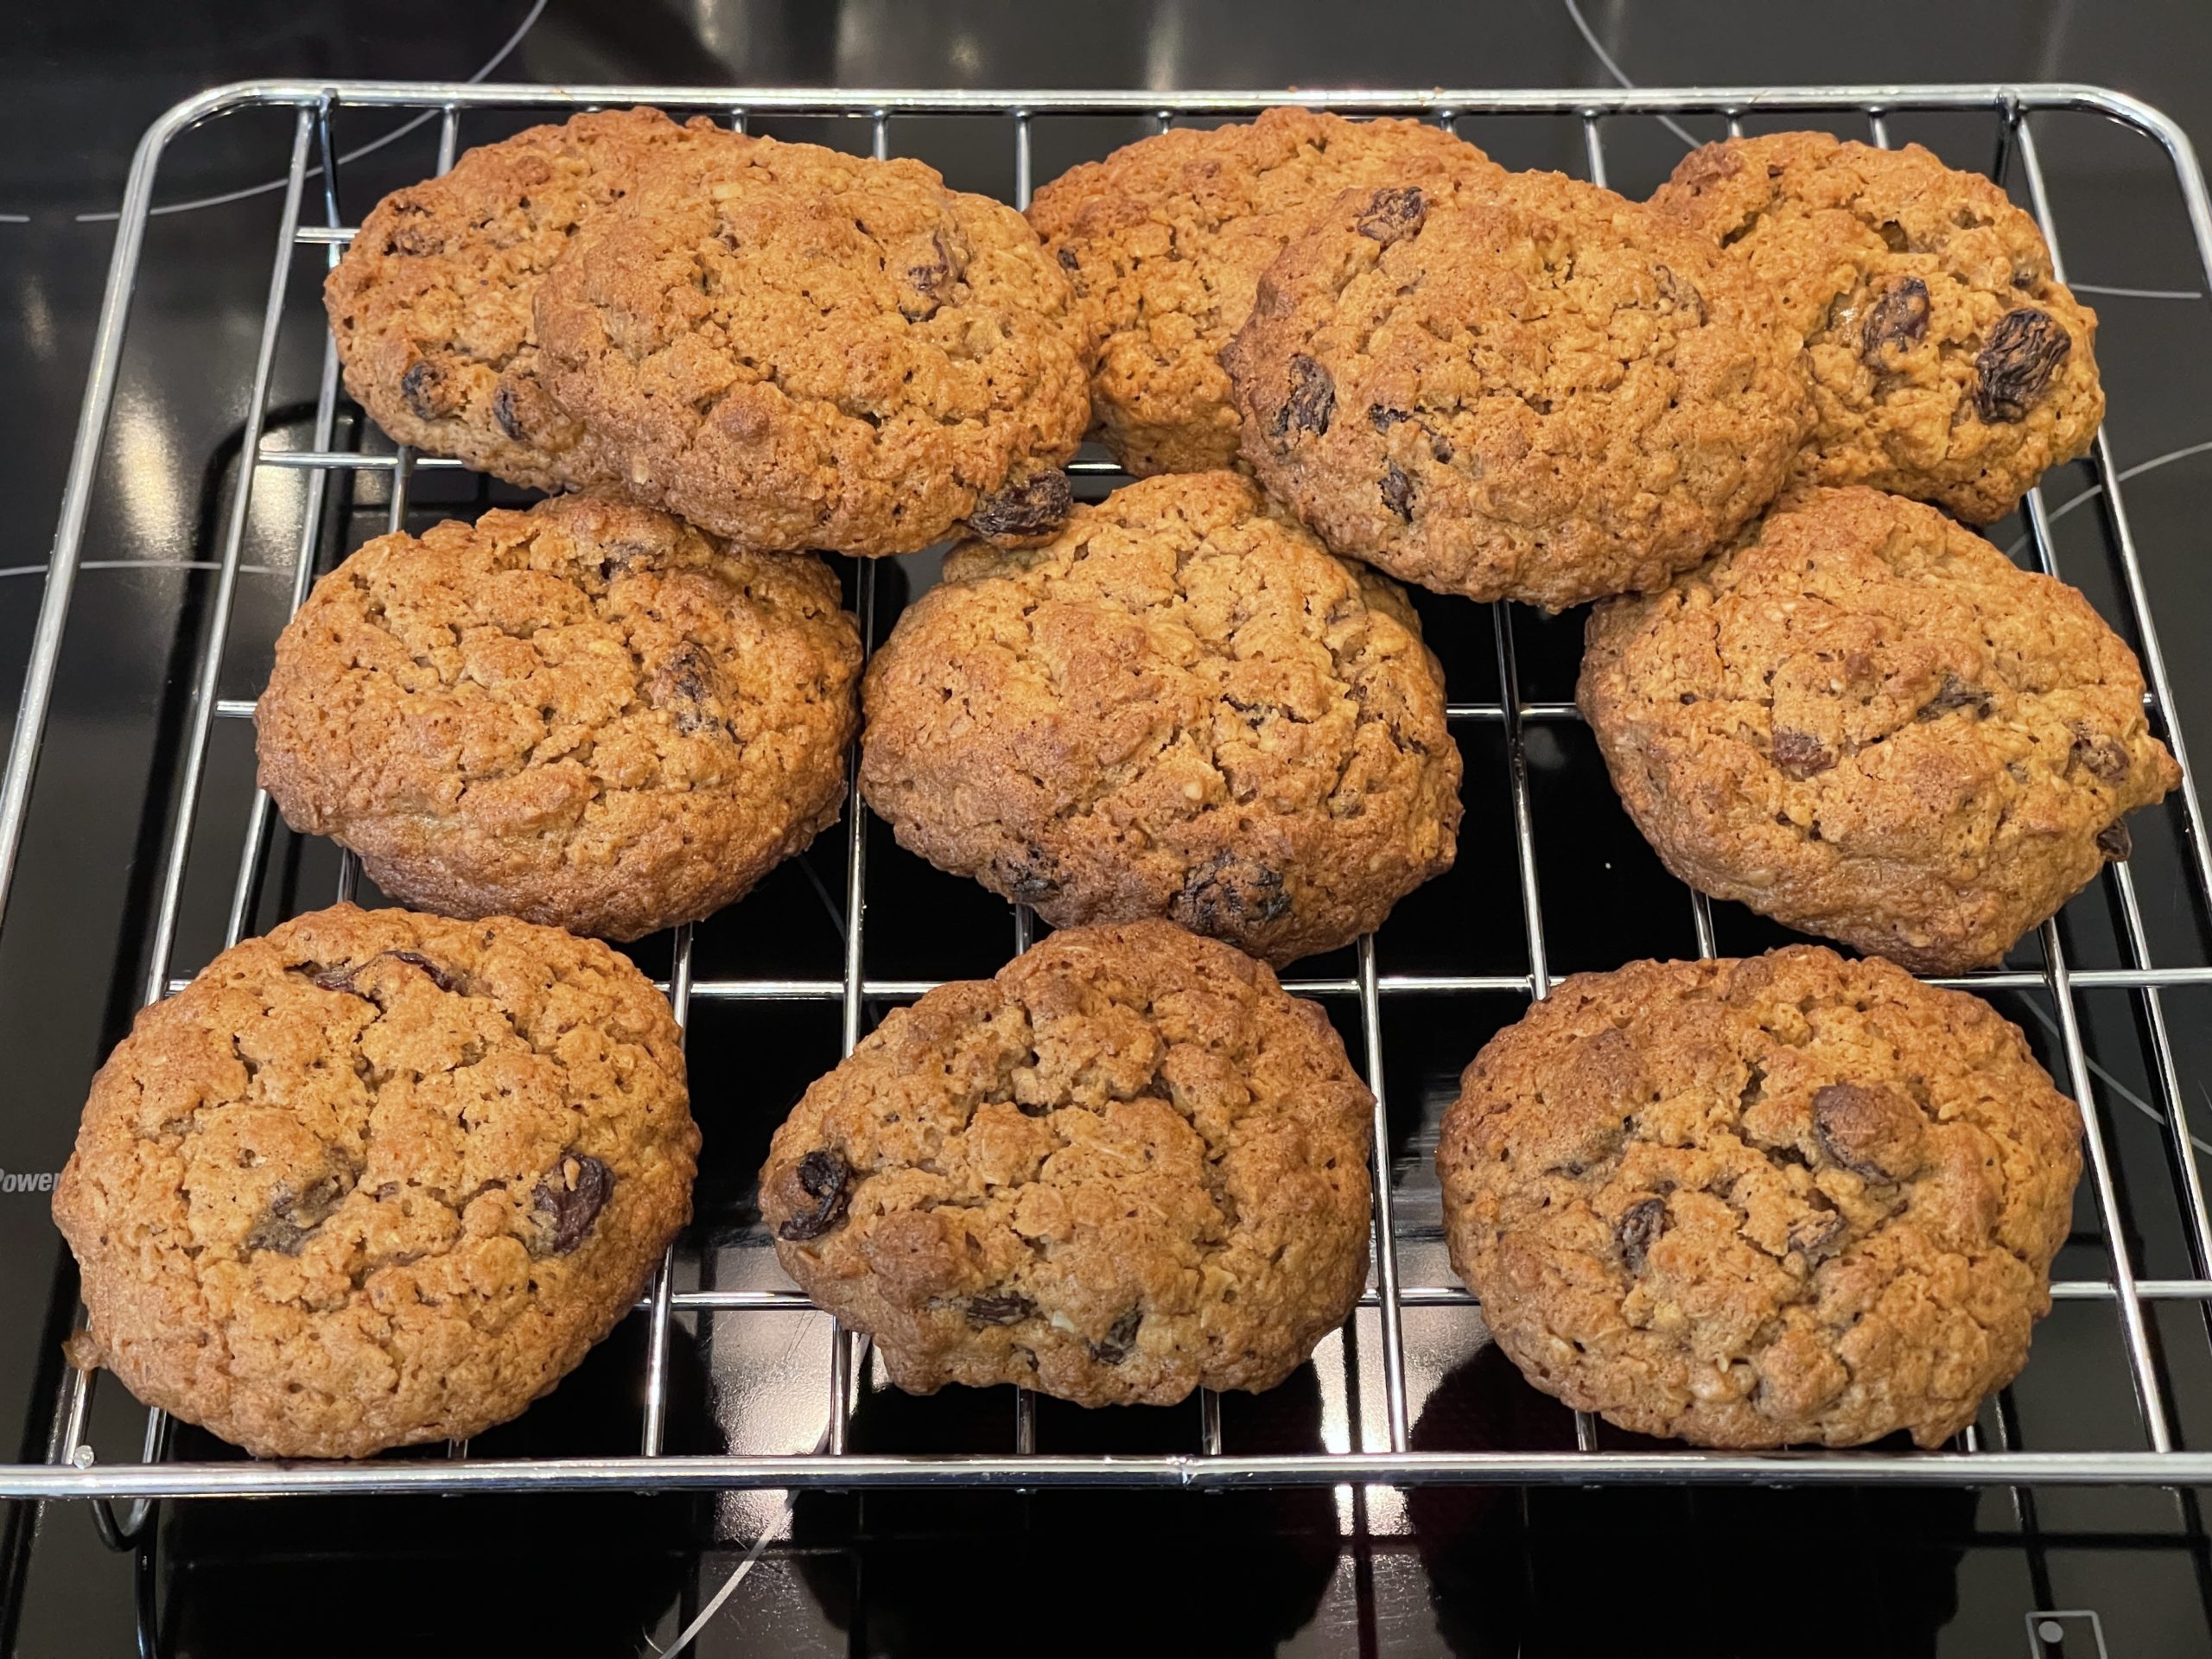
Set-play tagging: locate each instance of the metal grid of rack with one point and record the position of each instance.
(310, 216)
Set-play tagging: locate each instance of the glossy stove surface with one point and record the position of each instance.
(1485, 1572)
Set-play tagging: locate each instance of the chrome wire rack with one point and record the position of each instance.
(347, 491)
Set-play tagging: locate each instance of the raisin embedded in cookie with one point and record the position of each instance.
(587, 715)
(1165, 241)
(1536, 392)
(1947, 362)
(1127, 1166)
(1868, 724)
(1182, 707)
(799, 348)
(376, 1178)
(1780, 1200)
(431, 306)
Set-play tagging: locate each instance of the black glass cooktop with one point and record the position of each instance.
(1872, 1570)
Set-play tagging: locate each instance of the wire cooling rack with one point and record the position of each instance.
(1373, 1442)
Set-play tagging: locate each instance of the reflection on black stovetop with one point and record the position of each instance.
(540, 1573)
(1674, 1570)
(1897, 1572)
(1474, 1571)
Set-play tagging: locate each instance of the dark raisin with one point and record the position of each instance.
(1679, 293)
(683, 687)
(1706, 164)
(291, 1216)
(1398, 490)
(414, 241)
(1799, 754)
(1383, 419)
(1121, 1340)
(1896, 320)
(1894, 238)
(342, 978)
(1226, 893)
(1870, 1129)
(929, 281)
(423, 387)
(1392, 215)
(1008, 1307)
(1954, 693)
(2104, 757)
(1440, 446)
(1035, 506)
(1818, 1235)
(2024, 351)
(442, 978)
(1311, 401)
(827, 1178)
(615, 558)
(2114, 841)
(572, 1194)
(1638, 1230)
(276, 1231)
(1068, 261)
(503, 411)
(1032, 879)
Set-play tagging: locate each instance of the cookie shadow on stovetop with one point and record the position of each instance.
(552, 1572)
(1669, 1569)
(1102, 1570)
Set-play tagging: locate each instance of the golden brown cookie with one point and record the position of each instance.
(430, 305)
(1182, 707)
(799, 348)
(1790, 1199)
(1946, 362)
(1127, 1166)
(376, 1178)
(1165, 241)
(1536, 392)
(1868, 724)
(587, 715)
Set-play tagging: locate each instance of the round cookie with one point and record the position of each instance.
(1541, 392)
(376, 1178)
(1166, 239)
(1784, 1200)
(1182, 707)
(799, 348)
(587, 715)
(1946, 362)
(1868, 724)
(1127, 1166)
(431, 306)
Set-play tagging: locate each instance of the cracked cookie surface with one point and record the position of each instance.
(1947, 362)
(431, 306)
(587, 715)
(1182, 706)
(1868, 724)
(800, 348)
(376, 1178)
(1783, 1199)
(1166, 239)
(1533, 389)
(1127, 1166)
